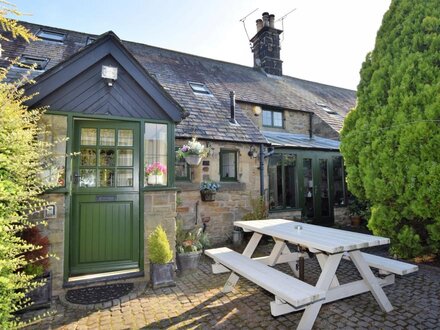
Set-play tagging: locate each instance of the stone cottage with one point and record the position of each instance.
(125, 106)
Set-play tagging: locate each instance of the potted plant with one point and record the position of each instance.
(193, 152)
(37, 258)
(208, 189)
(155, 173)
(358, 210)
(161, 267)
(189, 246)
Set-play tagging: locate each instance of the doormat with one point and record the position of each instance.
(98, 294)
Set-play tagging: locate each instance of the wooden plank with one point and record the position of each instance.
(333, 294)
(286, 287)
(322, 238)
(371, 281)
(387, 264)
(324, 282)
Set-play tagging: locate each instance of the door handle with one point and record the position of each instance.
(76, 178)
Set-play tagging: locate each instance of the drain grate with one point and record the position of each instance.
(98, 294)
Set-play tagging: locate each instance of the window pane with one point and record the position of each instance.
(54, 131)
(50, 35)
(88, 178)
(308, 187)
(106, 177)
(107, 137)
(325, 205)
(88, 157)
(124, 177)
(156, 151)
(289, 180)
(267, 118)
(277, 119)
(338, 178)
(88, 136)
(181, 169)
(228, 165)
(125, 137)
(107, 157)
(125, 157)
(275, 182)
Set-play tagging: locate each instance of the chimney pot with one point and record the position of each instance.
(259, 24)
(265, 19)
(272, 21)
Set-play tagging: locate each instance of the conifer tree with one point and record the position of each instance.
(20, 183)
(391, 140)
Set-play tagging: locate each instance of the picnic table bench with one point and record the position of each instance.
(386, 265)
(329, 245)
(283, 286)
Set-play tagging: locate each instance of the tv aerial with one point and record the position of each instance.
(244, 25)
(282, 21)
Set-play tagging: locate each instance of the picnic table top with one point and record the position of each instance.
(325, 239)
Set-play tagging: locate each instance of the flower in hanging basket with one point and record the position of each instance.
(193, 148)
(210, 186)
(156, 168)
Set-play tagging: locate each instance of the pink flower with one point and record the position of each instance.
(156, 168)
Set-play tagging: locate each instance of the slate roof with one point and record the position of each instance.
(280, 139)
(209, 113)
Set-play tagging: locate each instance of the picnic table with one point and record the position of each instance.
(329, 245)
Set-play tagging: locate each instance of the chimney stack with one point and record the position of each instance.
(266, 46)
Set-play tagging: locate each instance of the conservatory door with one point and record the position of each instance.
(318, 201)
(105, 228)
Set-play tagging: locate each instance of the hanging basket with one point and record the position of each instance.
(193, 160)
(207, 195)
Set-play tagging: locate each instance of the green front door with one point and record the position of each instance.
(105, 228)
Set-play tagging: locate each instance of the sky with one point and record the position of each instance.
(323, 41)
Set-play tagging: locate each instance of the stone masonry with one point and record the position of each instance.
(232, 200)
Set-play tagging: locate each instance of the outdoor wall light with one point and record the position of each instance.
(109, 73)
(253, 152)
(256, 109)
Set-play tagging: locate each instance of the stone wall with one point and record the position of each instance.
(341, 216)
(55, 233)
(322, 129)
(296, 122)
(232, 199)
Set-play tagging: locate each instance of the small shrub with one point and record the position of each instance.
(37, 259)
(190, 240)
(259, 209)
(159, 246)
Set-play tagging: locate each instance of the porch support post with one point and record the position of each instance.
(262, 170)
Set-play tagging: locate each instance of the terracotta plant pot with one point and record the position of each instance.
(355, 220)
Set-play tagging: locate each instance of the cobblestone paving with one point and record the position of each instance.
(196, 302)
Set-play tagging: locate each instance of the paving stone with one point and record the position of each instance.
(196, 302)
